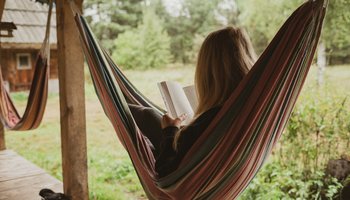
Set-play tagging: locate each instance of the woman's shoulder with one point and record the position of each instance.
(191, 132)
(208, 115)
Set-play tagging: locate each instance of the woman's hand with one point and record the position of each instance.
(169, 121)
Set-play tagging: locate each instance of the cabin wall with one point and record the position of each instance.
(20, 79)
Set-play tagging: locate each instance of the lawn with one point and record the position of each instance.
(111, 175)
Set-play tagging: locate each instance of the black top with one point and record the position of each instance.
(169, 159)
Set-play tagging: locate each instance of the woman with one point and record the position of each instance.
(224, 59)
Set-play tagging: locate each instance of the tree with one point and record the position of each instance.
(195, 17)
(263, 19)
(109, 18)
(228, 13)
(336, 31)
(147, 46)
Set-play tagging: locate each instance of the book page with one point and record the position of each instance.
(166, 98)
(191, 95)
(176, 100)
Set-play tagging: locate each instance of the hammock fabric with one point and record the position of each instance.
(233, 148)
(36, 104)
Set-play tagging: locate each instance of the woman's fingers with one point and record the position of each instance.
(169, 121)
(166, 121)
(183, 117)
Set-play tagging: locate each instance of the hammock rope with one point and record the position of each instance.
(233, 148)
(37, 98)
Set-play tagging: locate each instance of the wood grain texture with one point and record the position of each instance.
(72, 103)
(2, 5)
(2, 137)
(21, 179)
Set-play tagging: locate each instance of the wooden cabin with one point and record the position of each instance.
(19, 179)
(19, 49)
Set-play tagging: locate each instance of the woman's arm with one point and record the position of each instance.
(166, 160)
(169, 159)
(167, 155)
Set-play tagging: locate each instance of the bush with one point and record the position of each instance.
(277, 182)
(147, 46)
(318, 130)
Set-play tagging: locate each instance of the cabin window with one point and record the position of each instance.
(23, 61)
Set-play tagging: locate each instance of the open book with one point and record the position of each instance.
(179, 100)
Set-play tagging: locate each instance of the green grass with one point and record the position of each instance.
(111, 175)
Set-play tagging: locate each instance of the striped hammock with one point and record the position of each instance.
(233, 148)
(37, 98)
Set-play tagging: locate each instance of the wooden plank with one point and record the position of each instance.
(72, 103)
(7, 152)
(2, 137)
(28, 193)
(13, 166)
(38, 181)
(26, 46)
(18, 171)
(28, 187)
(21, 179)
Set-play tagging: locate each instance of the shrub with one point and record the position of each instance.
(147, 46)
(317, 131)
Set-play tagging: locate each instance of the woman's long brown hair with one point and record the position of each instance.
(224, 59)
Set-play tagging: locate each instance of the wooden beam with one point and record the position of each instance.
(2, 137)
(2, 6)
(72, 103)
(9, 45)
(2, 130)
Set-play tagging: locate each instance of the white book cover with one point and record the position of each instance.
(178, 100)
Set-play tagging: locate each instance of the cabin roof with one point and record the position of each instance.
(30, 17)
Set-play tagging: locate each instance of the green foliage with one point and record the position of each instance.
(147, 46)
(195, 17)
(317, 131)
(337, 22)
(336, 28)
(263, 19)
(109, 18)
(277, 182)
(20, 96)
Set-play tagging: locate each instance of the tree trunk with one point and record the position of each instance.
(321, 62)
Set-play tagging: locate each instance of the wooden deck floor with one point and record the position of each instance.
(21, 179)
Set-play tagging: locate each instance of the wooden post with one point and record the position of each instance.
(72, 103)
(2, 6)
(2, 130)
(2, 137)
